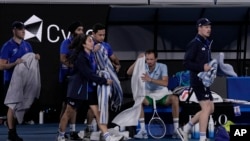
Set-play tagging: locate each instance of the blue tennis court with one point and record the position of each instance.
(47, 132)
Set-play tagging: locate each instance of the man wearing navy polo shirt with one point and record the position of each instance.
(11, 53)
(197, 58)
(99, 33)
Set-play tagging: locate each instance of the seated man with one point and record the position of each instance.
(156, 79)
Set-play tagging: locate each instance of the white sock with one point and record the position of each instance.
(61, 134)
(188, 127)
(203, 136)
(142, 124)
(106, 135)
(72, 127)
(176, 123)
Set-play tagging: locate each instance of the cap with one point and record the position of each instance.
(203, 21)
(18, 25)
(73, 26)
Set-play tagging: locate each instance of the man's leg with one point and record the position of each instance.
(69, 111)
(173, 100)
(207, 108)
(103, 127)
(142, 134)
(11, 122)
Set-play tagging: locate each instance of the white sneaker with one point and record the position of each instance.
(114, 138)
(183, 135)
(61, 138)
(175, 135)
(142, 134)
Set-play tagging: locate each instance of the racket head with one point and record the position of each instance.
(156, 128)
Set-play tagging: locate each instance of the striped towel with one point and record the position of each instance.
(209, 76)
(105, 65)
(103, 92)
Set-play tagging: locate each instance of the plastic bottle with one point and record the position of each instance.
(196, 131)
(211, 127)
(191, 134)
(41, 117)
(94, 125)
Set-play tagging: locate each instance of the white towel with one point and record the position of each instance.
(24, 86)
(130, 116)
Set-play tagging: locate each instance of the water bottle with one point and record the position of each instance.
(191, 134)
(41, 117)
(94, 125)
(196, 134)
(211, 127)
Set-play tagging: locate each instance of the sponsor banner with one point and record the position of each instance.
(46, 27)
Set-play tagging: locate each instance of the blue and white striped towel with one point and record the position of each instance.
(209, 76)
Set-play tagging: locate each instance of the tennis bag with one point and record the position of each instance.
(221, 134)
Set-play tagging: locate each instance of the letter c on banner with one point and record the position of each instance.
(220, 117)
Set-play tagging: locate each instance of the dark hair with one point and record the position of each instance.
(151, 51)
(76, 46)
(98, 26)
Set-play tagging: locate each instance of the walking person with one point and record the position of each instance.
(11, 52)
(82, 85)
(197, 58)
(75, 28)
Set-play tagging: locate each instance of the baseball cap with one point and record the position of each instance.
(18, 25)
(203, 21)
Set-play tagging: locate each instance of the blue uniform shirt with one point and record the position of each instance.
(159, 71)
(64, 70)
(11, 51)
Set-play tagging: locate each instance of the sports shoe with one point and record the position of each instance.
(142, 134)
(61, 138)
(114, 138)
(183, 135)
(14, 137)
(74, 136)
(175, 135)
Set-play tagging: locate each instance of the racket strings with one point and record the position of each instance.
(157, 128)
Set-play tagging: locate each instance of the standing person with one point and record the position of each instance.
(156, 79)
(197, 57)
(11, 53)
(99, 33)
(75, 28)
(81, 87)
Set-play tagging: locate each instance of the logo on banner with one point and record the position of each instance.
(34, 27)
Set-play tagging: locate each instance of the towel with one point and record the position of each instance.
(209, 76)
(158, 94)
(103, 92)
(225, 69)
(24, 86)
(130, 116)
(106, 69)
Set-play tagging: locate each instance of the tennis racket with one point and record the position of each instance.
(156, 126)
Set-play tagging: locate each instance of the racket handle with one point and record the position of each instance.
(154, 103)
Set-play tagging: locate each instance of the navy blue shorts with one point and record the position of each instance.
(76, 103)
(203, 93)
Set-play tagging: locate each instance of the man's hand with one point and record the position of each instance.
(37, 56)
(146, 78)
(117, 68)
(18, 61)
(141, 55)
(97, 47)
(206, 67)
(109, 81)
